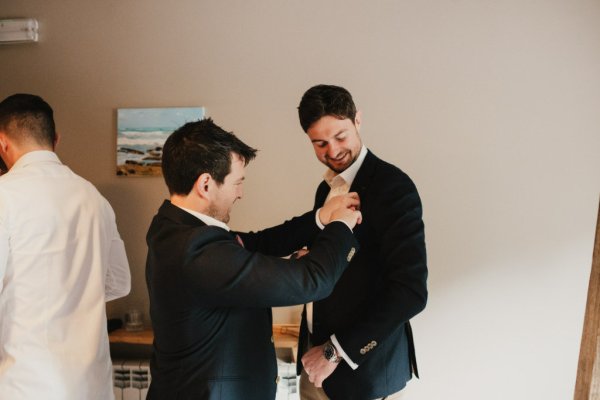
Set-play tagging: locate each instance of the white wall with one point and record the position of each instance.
(492, 108)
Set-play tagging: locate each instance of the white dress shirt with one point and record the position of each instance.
(339, 184)
(61, 259)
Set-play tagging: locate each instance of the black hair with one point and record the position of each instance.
(322, 100)
(27, 116)
(200, 147)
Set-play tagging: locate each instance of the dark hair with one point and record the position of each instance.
(26, 116)
(200, 147)
(322, 100)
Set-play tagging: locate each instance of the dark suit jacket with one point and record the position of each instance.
(384, 286)
(210, 301)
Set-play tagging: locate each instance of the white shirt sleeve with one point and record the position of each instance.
(342, 353)
(318, 220)
(321, 226)
(4, 246)
(118, 277)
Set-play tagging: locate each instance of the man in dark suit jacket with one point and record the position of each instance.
(357, 343)
(210, 296)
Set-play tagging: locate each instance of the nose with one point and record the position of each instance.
(332, 150)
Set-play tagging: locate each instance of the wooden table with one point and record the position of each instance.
(284, 336)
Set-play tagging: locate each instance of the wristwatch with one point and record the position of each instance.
(330, 353)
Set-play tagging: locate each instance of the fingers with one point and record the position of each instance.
(337, 204)
(300, 253)
(315, 381)
(351, 200)
(356, 217)
(352, 218)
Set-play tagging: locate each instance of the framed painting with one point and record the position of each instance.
(141, 134)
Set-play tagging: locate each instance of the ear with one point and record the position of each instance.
(203, 185)
(4, 143)
(56, 141)
(358, 119)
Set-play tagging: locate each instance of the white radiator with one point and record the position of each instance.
(131, 379)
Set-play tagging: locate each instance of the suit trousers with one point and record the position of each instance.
(308, 391)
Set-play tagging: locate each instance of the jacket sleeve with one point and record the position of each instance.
(221, 273)
(397, 218)
(284, 239)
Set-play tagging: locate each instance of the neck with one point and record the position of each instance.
(189, 202)
(16, 151)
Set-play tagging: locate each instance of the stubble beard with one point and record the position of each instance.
(217, 214)
(338, 169)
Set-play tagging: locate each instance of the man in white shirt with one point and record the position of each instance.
(61, 259)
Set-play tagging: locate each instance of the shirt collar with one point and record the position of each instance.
(349, 173)
(205, 218)
(35, 157)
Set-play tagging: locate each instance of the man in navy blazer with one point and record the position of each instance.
(210, 296)
(357, 343)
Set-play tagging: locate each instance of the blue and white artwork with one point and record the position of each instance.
(141, 134)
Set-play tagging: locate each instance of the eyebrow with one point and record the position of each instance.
(335, 136)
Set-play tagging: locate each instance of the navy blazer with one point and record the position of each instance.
(210, 301)
(382, 289)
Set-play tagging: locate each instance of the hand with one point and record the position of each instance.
(300, 253)
(349, 200)
(349, 216)
(316, 365)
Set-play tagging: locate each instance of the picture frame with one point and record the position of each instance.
(141, 134)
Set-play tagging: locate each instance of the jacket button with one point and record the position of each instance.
(272, 340)
(277, 380)
(363, 351)
(351, 254)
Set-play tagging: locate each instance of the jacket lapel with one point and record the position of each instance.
(365, 172)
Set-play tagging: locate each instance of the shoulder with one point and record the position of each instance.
(204, 235)
(87, 192)
(387, 177)
(169, 225)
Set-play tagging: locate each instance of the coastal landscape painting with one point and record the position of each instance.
(141, 134)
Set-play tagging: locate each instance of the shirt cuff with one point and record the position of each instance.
(318, 220)
(342, 353)
(321, 226)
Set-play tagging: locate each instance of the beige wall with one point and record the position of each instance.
(492, 107)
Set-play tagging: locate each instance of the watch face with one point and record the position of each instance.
(328, 352)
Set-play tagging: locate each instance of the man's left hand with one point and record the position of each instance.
(316, 365)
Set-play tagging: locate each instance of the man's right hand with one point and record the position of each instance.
(349, 216)
(345, 201)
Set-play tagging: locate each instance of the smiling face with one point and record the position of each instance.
(226, 194)
(336, 141)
